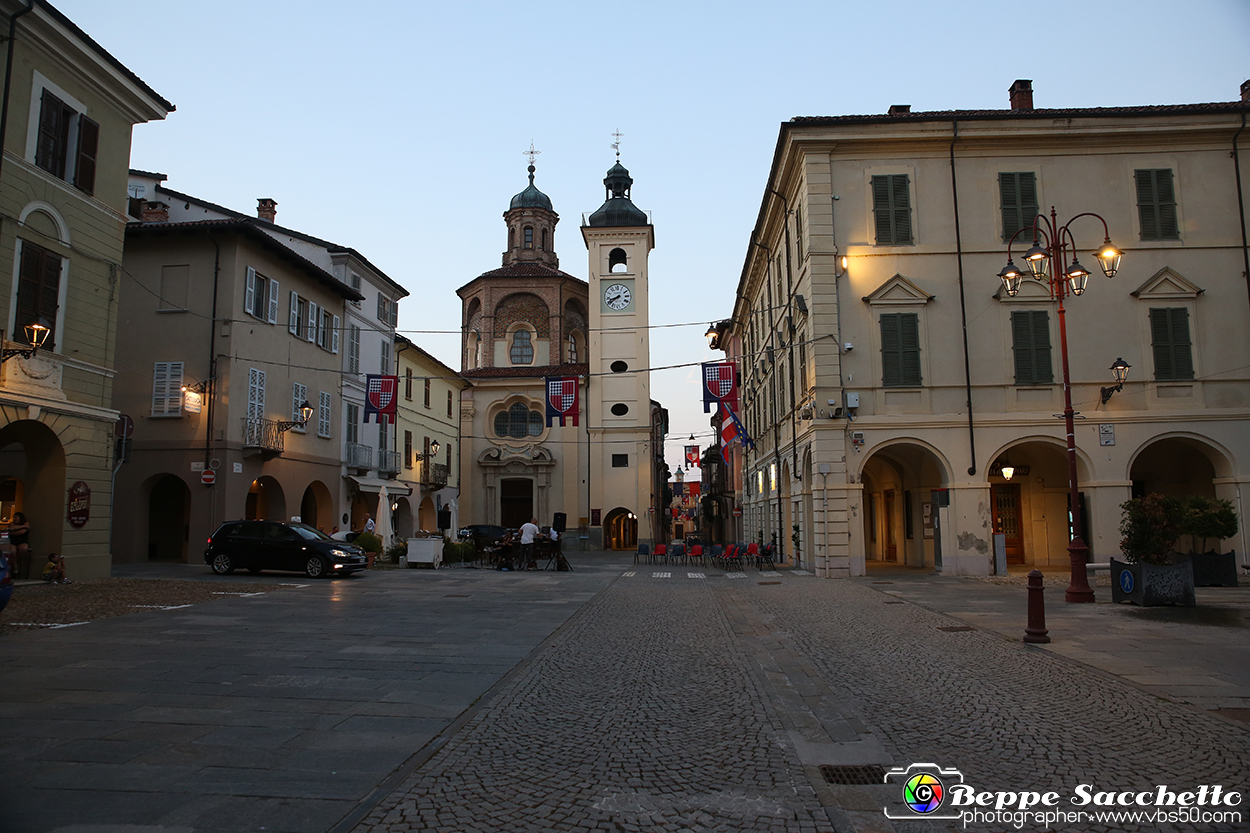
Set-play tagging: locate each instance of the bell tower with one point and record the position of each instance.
(619, 238)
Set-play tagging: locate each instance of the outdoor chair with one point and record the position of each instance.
(765, 557)
(661, 551)
(643, 554)
(677, 552)
(697, 552)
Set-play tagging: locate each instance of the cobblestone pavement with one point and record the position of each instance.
(679, 700)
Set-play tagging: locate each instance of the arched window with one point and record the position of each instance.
(522, 348)
(616, 261)
(511, 236)
(544, 243)
(529, 237)
(518, 422)
(572, 349)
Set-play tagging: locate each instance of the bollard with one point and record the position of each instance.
(1036, 631)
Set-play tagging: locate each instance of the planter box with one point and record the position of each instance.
(1213, 569)
(1152, 584)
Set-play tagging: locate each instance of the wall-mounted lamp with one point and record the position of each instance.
(1119, 370)
(197, 387)
(839, 263)
(434, 447)
(305, 413)
(36, 335)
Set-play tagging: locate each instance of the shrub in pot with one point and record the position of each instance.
(1150, 526)
(1206, 519)
(371, 544)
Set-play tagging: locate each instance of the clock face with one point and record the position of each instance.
(617, 296)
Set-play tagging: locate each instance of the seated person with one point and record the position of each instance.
(54, 570)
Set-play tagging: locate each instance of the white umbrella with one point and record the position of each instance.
(382, 526)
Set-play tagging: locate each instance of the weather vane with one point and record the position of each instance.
(616, 146)
(531, 153)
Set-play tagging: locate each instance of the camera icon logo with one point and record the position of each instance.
(923, 789)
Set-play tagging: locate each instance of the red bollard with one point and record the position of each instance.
(1036, 631)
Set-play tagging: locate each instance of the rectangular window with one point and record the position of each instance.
(260, 297)
(1030, 345)
(325, 332)
(449, 401)
(299, 395)
(295, 316)
(167, 389)
(67, 142)
(255, 394)
(174, 283)
(353, 350)
(1156, 204)
(408, 384)
(891, 208)
(1169, 331)
(351, 431)
(384, 309)
(407, 449)
(427, 393)
(386, 359)
(38, 291)
(798, 231)
(1018, 199)
(620, 461)
(900, 350)
(324, 412)
(382, 433)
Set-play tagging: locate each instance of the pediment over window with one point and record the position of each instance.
(1167, 285)
(1031, 291)
(898, 291)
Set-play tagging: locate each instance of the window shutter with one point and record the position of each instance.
(323, 414)
(1022, 347)
(1160, 337)
(1169, 329)
(312, 322)
(334, 336)
(891, 204)
(298, 394)
(891, 359)
(255, 393)
(382, 316)
(1166, 204)
(1018, 199)
(167, 389)
(293, 321)
(1043, 371)
(901, 198)
(1156, 204)
(1182, 356)
(881, 209)
(53, 133)
(88, 145)
(394, 313)
(249, 294)
(909, 341)
(273, 302)
(1146, 206)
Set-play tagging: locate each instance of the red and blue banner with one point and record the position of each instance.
(381, 397)
(692, 456)
(731, 428)
(562, 399)
(720, 385)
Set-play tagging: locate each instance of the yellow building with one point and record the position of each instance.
(886, 372)
(63, 202)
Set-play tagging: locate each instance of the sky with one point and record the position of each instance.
(398, 128)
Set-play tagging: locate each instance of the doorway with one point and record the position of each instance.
(516, 502)
(891, 531)
(1006, 500)
(169, 517)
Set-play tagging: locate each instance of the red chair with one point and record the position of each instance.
(661, 551)
(697, 552)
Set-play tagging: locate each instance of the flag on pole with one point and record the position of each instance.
(732, 428)
(380, 397)
(562, 401)
(720, 384)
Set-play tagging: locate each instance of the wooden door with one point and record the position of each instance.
(1006, 500)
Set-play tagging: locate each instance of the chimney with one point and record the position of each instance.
(155, 212)
(1021, 93)
(266, 209)
(899, 109)
(1245, 90)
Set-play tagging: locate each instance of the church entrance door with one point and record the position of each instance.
(516, 502)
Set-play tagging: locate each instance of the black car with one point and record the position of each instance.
(270, 545)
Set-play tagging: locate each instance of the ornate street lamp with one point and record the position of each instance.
(421, 455)
(1052, 260)
(305, 413)
(1119, 370)
(36, 334)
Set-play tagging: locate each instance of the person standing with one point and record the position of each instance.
(369, 525)
(529, 531)
(19, 538)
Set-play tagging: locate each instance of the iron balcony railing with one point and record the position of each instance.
(434, 474)
(262, 433)
(358, 456)
(388, 462)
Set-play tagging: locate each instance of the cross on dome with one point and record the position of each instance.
(531, 153)
(616, 145)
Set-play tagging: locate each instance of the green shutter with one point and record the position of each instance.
(1043, 373)
(891, 205)
(1018, 198)
(881, 209)
(1030, 342)
(900, 350)
(891, 359)
(909, 339)
(1156, 204)
(1169, 331)
(901, 199)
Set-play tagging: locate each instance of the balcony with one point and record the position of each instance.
(388, 463)
(434, 475)
(265, 434)
(357, 456)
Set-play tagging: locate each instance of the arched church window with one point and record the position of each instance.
(511, 236)
(617, 261)
(529, 237)
(522, 348)
(544, 243)
(572, 349)
(518, 422)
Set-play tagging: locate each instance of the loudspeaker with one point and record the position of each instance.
(559, 522)
(444, 519)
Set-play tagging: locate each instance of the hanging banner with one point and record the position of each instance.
(381, 397)
(692, 456)
(562, 400)
(720, 385)
(731, 429)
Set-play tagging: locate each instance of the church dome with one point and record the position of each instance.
(531, 197)
(618, 209)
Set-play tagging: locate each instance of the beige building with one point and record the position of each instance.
(66, 147)
(886, 373)
(428, 439)
(527, 321)
(226, 333)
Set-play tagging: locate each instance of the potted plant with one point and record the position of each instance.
(371, 544)
(1206, 519)
(1147, 576)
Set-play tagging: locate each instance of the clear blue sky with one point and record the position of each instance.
(397, 128)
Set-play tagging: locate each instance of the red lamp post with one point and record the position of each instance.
(1052, 260)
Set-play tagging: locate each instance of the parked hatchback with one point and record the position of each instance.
(270, 545)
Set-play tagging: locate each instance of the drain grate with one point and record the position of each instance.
(768, 582)
(870, 774)
(957, 629)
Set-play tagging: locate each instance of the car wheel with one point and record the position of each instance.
(317, 567)
(222, 565)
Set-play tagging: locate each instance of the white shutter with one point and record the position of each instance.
(293, 322)
(255, 393)
(334, 336)
(312, 322)
(353, 350)
(394, 313)
(249, 295)
(382, 307)
(167, 389)
(299, 393)
(323, 415)
(273, 302)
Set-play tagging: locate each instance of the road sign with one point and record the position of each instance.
(208, 477)
(125, 427)
(737, 511)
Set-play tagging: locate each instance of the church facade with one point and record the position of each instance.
(528, 321)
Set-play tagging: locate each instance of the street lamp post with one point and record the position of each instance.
(1052, 260)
